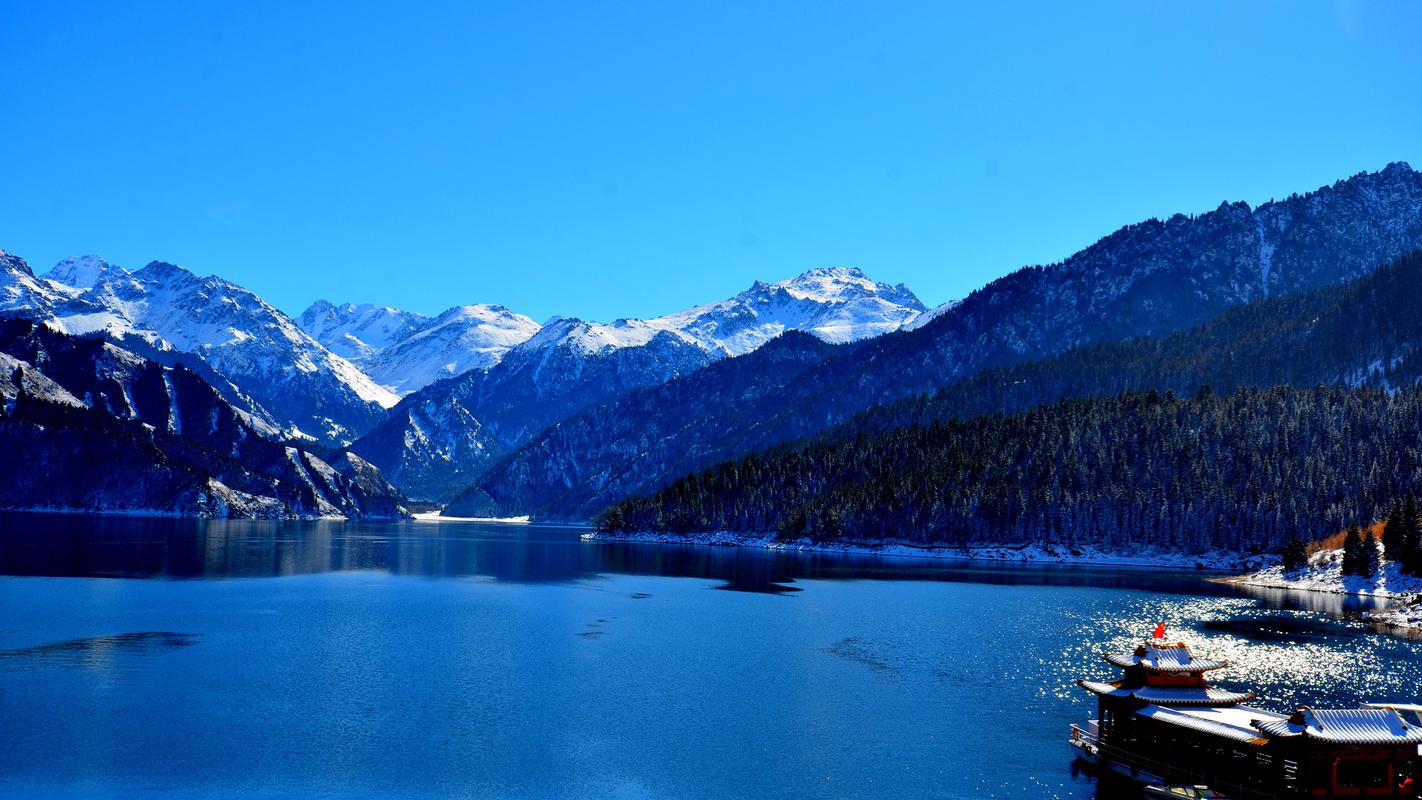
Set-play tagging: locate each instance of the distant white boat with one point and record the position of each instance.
(433, 516)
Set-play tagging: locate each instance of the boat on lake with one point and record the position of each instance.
(1162, 724)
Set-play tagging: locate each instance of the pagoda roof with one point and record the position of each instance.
(1164, 658)
(1345, 726)
(1237, 723)
(1169, 695)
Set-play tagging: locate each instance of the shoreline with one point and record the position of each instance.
(1005, 554)
(1324, 574)
(1250, 579)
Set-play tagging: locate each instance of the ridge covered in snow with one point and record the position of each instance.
(404, 351)
(357, 331)
(301, 387)
(836, 304)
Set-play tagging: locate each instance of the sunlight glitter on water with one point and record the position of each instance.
(1289, 658)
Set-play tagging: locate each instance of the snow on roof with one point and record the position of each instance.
(1345, 726)
(1235, 723)
(1417, 707)
(1164, 658)
(1170, 695)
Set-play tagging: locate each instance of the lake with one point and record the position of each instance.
(182, 658)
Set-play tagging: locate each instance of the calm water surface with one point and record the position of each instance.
(160, 658)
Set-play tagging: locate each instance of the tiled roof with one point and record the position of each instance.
(1164, 658)
(1170, 695)
(1231, 723)
(1345, 726)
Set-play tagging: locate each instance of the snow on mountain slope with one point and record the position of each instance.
(404, 351)
(461, 339)
(305, 388)
(81, 272)
(836, 304)
(357, 332)
(21, 292)
(931, 314)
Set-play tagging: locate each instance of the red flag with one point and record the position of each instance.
(1159, 631)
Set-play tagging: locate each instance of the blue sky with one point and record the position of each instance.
(608, 159)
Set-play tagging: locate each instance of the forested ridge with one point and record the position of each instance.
(1363, 332)
(1248, 469)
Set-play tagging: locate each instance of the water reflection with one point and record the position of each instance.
(136, 547)
(1326, 602)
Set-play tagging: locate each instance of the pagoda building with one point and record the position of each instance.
(1162, 723)
(1165, 675)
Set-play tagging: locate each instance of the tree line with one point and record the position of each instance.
(1248, 470)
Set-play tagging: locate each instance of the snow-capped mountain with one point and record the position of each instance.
(438, 438)
(404, 351)
(297, 385)
(836, 304)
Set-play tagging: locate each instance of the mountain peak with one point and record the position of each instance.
(318, 307)
(476, 311)
(164, 270)
(82, 272)
(832, 285)
(9, 262)
(833, 272)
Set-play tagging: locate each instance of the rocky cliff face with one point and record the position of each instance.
(102, 429)
(1149, 278)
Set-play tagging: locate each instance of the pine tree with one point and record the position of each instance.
(1295, 555)
(1394, 548)
(1410, 537)
(1368, 560)
(1353, 551)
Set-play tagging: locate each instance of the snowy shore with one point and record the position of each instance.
(1324, 573)
(1048, 554)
